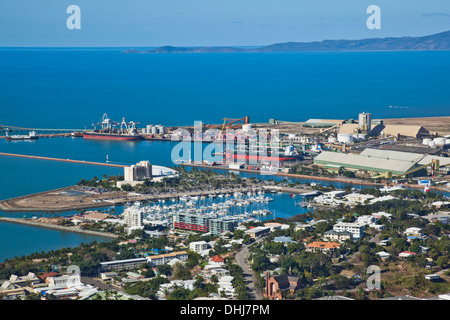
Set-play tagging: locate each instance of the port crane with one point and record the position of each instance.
(245, 120)
(107, 125)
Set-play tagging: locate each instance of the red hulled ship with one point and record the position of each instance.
(111, 130)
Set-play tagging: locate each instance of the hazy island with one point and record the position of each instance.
(439, 41)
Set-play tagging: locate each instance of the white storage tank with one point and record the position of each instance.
(439, 141)
(162, 129)
(426, 141)
(361, 136)
(154, 130)
(345, 137)
(331, 139)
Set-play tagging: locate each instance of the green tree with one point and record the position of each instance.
(165, 269)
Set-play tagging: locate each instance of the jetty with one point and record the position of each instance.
(61, 160)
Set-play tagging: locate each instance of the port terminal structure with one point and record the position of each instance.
(62, 160)
(43, 132)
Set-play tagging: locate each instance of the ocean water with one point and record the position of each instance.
(65, 88)
(72, 88)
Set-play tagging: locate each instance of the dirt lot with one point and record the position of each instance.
(59, 200)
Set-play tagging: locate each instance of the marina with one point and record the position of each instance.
(78, 198)
(241, 205)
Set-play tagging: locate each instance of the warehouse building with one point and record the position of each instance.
(362, 162)
(322, 123)
(127, 264)
(356, 131)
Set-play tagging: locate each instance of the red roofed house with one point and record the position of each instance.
(406, 254)
(48, 274)
(216, 259)
(322, 246)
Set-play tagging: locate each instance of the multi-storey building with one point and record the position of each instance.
(356, 229)
(201, 223)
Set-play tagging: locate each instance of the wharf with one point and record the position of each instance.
(62, 160)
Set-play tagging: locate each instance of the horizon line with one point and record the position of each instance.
(214, 46)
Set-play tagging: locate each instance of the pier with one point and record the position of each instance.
(61, 160)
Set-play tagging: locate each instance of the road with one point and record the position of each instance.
(241, 258)
(100, 284)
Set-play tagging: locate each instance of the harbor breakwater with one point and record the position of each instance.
(57, 227)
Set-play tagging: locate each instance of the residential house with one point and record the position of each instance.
(324, 247)
(226, 286)
(283, 239)
(350, 275)
(406, 254)
(339, 236)
(257, 232)
(413, 231)
(383, 255)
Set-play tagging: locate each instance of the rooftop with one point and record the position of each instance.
(324, 245)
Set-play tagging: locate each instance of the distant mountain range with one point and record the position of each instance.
(439, 41)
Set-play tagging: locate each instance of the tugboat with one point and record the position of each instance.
(127, 130)
(30, 136)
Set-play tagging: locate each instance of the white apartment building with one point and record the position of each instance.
(133, 217)
(199, 246)
(356, 229)
(367, 220)
(161, 259)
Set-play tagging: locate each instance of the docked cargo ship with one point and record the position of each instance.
(261, 154)
(111, 130)
(30, 136)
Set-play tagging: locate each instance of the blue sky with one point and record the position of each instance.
(149, 23)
